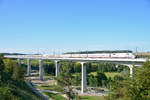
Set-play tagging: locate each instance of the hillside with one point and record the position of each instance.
(18, 91)
(12, 84)
(142, 54)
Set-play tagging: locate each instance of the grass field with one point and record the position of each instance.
(54, 96)
(108, 74)
(52, 88)
(59, 97)
(92, 98)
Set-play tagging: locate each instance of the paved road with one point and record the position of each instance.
(37, 92)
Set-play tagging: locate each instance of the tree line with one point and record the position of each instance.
(132, 88)
(12, 84)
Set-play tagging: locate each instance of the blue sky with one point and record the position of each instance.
(74, 25)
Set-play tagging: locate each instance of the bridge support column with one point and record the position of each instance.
(41, 70)
(29, 67)
(57, 68)
(19, 62)
(131, 69)
(83, 79)
(117, 66)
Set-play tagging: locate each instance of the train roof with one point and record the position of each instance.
(105, 51)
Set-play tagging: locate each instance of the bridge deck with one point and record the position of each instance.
(139, 60)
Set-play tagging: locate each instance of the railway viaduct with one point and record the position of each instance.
(130, 62)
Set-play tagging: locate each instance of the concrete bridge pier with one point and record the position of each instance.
(19, 62)
(41, 70)
(83, 79)
(131, 69)
(57, 68)
(28, 67)
(117, 65)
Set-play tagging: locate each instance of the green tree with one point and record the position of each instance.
(13, 70)
(65, 80)
(6, 94)
(94, 67)
(135, 88)
(77, 67)
(1, 64)
(49, 68)
(1, 70)
(139, 88)
(93, 81)
(101, 77)
(77, 79)
(118, 77)
(8, 67)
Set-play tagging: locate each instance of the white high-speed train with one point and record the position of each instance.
(101, 54)
(96, 54)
